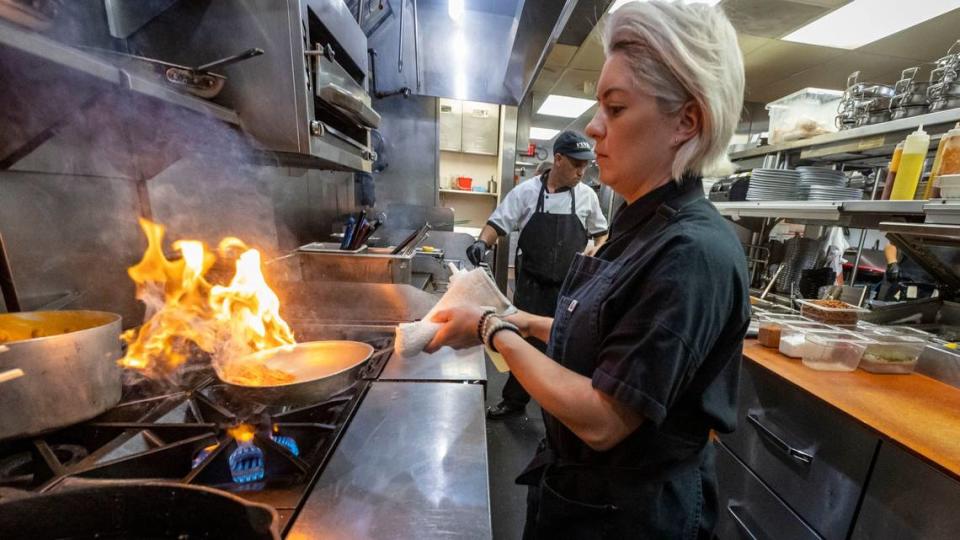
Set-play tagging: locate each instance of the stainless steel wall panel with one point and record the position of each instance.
(467, 61)
(410, 136)
(72, 235)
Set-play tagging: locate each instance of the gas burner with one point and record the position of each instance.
(21, 469)
(181, 433)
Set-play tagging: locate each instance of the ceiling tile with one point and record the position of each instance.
(832, 74)
(590, 55)
(560, 55)
(775, 18)
(779, 60)
(926, 41)
(749, 44)
(572, 81)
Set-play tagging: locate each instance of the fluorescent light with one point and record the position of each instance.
(565, 106)
(543, 134)
(864, 21)
(455, 9)
(619, 3)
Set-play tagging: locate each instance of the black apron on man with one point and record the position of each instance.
(661, 494)
(545, 250)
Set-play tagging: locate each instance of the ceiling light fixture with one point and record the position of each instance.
(543, 134)
(565, 106)
(847, 27)
(455, 10)
(619, 3)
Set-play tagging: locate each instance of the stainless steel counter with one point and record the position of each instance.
(444, 365)
(412, 464)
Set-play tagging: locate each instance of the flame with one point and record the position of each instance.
(242, 433)
(185, 311)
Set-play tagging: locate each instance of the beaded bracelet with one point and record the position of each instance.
(493, 327)
(482, 322)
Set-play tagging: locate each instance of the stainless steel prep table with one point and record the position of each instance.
(412, 464)
(447, 364)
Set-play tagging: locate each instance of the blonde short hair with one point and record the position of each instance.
(680, 52)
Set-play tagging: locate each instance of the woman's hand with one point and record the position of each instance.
(459, 328)
(523, 320)
(531, 325)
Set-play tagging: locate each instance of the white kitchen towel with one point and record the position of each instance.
(472, 288)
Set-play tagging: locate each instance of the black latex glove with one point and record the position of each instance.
(476, 252)
(893, 273)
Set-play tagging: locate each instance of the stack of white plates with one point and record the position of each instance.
(822, 176)
(773, 185)
(817, 192)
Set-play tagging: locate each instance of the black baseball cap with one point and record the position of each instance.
(573, 145)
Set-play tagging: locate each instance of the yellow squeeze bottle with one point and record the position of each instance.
(915, 149)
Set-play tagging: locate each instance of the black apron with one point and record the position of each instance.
(545, 250)
(572, 499)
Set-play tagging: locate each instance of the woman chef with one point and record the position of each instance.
(645, 343)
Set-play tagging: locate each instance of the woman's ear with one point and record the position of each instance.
(689, 123)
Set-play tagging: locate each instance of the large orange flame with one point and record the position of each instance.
(185, 311)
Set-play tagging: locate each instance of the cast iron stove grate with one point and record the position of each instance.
(182, 436)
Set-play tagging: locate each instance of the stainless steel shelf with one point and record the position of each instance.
(798, 210)
(902, 208)
(855, 140)
(860, 214)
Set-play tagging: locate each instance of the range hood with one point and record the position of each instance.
(302, 102)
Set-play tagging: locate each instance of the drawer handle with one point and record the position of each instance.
(796, 454)
(741, 521)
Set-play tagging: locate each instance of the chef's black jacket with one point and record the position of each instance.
(673, 328)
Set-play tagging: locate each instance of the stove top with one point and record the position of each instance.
(183, 435)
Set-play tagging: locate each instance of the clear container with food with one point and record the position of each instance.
(793, 337)
(768, 333)
(903, 331)
(887, 353)
(838, 351)
(830, 311)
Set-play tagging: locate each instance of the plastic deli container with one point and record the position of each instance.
(770, 326)
(830, 311)
(840, 351)
(793, 337)
(891, 354)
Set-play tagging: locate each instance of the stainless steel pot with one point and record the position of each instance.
(320, 369)
(908, 112)
(70, 363)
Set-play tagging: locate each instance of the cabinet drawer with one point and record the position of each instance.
(908, 499)
(749, 510)
(811, 455)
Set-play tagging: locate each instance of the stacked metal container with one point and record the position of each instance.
(910, 97)
(863, 103)
(944, 89)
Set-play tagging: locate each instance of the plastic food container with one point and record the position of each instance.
(891, 354)
(793, 337)
(802, 114)
(768, 334)
(833, 352)
(830, 311)
(464, 182)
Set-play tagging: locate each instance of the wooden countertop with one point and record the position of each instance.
(920, 413)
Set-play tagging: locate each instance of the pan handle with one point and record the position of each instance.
(249, 53)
